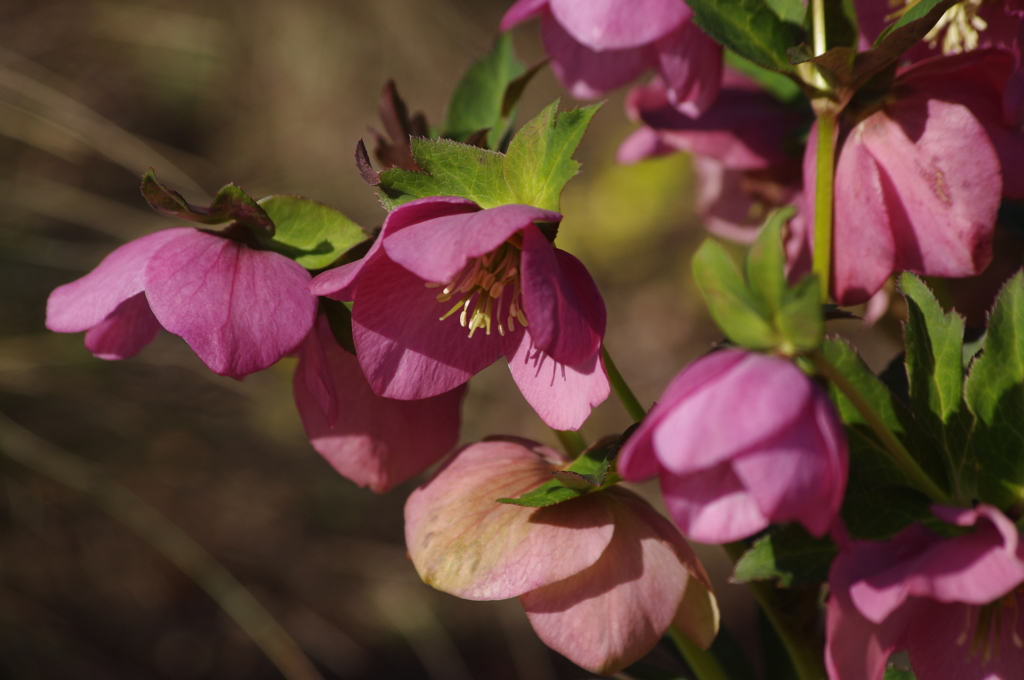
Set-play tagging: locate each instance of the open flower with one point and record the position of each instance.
(373, 441)
(448, 288)
(601, 576)
(741, 440)
(953, 603)
(596, 47)
(239, 308)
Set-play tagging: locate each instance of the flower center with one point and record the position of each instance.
(987, 636)
(480, 290)
(961, 24)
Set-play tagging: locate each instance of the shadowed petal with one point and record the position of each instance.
(125, 331)
(712, 506)
(522, 10)
(371, 440)
(464, 543)
(239, 309)
(563, 396)
(691, 64)
(587, 74)
(81, 304)
(616, 25)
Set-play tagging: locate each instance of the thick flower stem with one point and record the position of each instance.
(44, 458)
(573, 442)
(701, 661)
(621, 389)
(824, 172)
(805, 651)
(897, 452)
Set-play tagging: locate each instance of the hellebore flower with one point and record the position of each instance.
(371, 440)
(601, 576)
(238, 308)
(953, 603)
(918, 182)
(448, 288)
(596, 47)
(741, 440)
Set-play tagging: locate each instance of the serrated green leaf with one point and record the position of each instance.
(792, 11)
(801, 320)
(311, 233)
(590, 472)
(450, 169)
(995, 395)
(787, 555)
(539, 161)
(479, 99)
(750, 29)
(230, 204)
(741, 316)
(934, 361)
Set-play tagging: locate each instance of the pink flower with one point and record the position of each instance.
(953, 603)
(741, 440)
(448, 288)
(918, 182)
(371, 440)
(240, 309)
(601, 576)
(598, 46)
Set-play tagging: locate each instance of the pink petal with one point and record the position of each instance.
(522, 10)
(239, 309)
(611, 614)
(81, 304)
(125, 331)
(464, 543)
(563, 396)
(437, 249)
(405, 350)
(561, 301)
(691, 64)
(587, 74)
(641, 144)
(712, 506)
(617, 25)
(371, 440)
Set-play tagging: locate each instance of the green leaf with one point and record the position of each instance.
(750, 29)
(898, 674)
(539, 161)
(792, 11)
(478, 102)
(934, 361)
(779, 85)
(450, 169)
(801, 320)
(765, 262)
(230, 204)
(339, 317)
(788, 555)
(740, 315)
(590, 472)
(311, 233)
(995, 394)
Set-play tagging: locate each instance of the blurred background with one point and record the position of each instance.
(273, 96)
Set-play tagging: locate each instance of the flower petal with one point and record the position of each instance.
(563, 396)
(617, 25)
(712, 506)
(691, 64)
(239, 309)
(371, 440)
(464, 543)
(125, 331)
(522, 10)
(81, 304)
(587, 74)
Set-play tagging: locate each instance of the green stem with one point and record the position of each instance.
(621, 389)
(573, 442)
(803, 647)
(897, 452)
(44, 458)
(701, 661)
(823, 197)
(818, 27)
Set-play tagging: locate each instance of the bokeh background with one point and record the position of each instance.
(271, 95)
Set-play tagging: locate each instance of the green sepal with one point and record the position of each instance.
(787, 555)
(739, 314)
(751, 29)
(231, 204)
(311, 233)
(592, 471)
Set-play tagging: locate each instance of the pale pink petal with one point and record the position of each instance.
(587, 74)
(463, 542)
(522, 10)
(691, 64)
(641, 144)
(563, 396)
(81, 304)
(614, 612)
(239, 309)
(437, 249)
(726, 209)
(405, 349)
(561, 301)
(712, 506)
(125, 331)
(371, 440)
(617, 25)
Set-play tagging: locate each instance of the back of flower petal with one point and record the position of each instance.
(125, 331)
(619, 24)
(587, 74)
